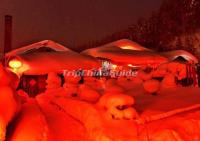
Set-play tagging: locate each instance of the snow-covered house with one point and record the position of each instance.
(128, 52)
(46, 44)
(180, 55)
(48, 56)
(32, 63)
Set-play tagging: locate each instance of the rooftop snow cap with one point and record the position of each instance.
(58, 59)
(116, 52)
(125, 44)
(46, 43)
(173, 55)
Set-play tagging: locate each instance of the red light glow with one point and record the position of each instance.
(114, 67)
(15, 64)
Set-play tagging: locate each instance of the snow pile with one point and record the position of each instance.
(126, 56)
(169, 81)
(170, 135)
(173, 55)
(118, 106)
(45, 62)
(31, 124)
(87, 93)
(61, 125)
(111, 86)
(97, 84)
(71, 86)
(175, 68)
(125, 44)
(152, 86)
(98, 129)
(129, 56)
(46, 43)
(9, 102)
(144, 75)
(23, 95)
(53, 82)
(168, 74)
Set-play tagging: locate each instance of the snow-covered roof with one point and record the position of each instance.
(172, 55)
(56, 59)
(45, 62)
(46, 43)
(124, 44)
(127, 52)
(126, 56)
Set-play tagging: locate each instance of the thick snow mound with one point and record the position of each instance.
(126, 56)
(86, 93)
(45, 62)
(117, 106)
(31, 125)
(166, 135)
(169, 81)
(126, 51)
(9, 102)
(177, 69)
(172, 55)
(61, 125)
(151, 86)
(46, 43)
(112, 86)
(125, 44)
(53, 82)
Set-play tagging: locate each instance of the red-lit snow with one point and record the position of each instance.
(90, 120)
(120, 50)
(59, 58)
(172, 55)
(173, 114)
(9, 101)
(46, 43)
(126, 56)
(125, 44)
(30, 125)
(45, 62)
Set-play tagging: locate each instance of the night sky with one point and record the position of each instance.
(71, 22)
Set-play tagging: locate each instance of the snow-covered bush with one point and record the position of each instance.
(111, 86)
(144, 75)
(151, 86)
(53, 81)
(117, 106)
(168, 81)
(71, 85)
(87, 93)
(94, 83)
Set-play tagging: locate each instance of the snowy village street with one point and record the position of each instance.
(100, 70)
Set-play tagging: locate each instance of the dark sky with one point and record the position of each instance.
(71, 22)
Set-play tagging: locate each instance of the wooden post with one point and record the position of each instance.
(8, 34)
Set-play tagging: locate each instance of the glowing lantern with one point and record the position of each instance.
(15, 64)
(114, 66)
(132, 66)
(127, 47)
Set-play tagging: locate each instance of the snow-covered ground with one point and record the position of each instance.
(123, 109)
